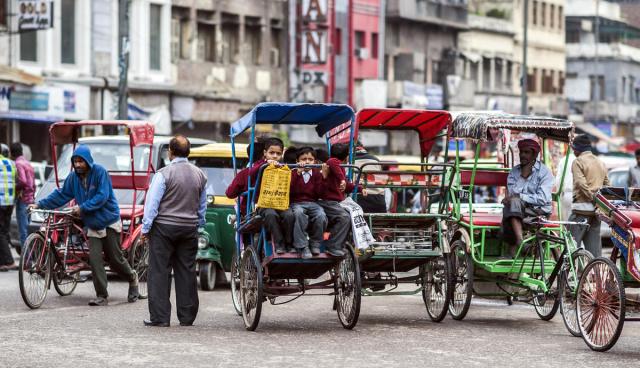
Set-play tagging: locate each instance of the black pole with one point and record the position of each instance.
(525, 43)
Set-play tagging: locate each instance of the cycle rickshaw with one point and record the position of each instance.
(602, 301)
(547, 264)
(259, 273)
(59, 251)
(408, 242)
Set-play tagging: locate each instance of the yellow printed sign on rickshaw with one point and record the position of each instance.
(274, 188)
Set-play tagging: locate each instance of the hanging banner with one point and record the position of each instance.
(34, 15)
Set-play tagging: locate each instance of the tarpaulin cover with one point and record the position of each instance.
(323, 116)
(140, 132)
(427, 123)
(477, 125)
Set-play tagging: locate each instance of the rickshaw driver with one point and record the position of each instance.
(90, 185)
(528, 193)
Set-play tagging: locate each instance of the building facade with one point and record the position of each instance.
(603, 77)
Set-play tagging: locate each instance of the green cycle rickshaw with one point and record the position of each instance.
(546, 267)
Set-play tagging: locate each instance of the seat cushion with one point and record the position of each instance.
(634, 215)
(484, 219)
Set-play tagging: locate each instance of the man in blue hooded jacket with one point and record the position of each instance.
(89, 185)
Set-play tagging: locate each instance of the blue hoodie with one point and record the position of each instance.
(98, 204)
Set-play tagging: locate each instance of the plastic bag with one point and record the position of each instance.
(274, 188)
(362, 236)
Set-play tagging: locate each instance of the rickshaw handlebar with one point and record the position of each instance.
(66, 211)
(578, 223)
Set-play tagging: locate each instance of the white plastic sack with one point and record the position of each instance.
(361, 233)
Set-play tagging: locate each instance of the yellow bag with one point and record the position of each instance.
(274, 188)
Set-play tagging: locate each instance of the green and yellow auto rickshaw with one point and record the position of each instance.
(217, 243)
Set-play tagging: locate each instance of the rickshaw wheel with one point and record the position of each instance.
(139, 261)
(568, 288)
(235, 283)
(462, 286)
(435, 288)
(601, 304)
(208, 272)
(35, 271)
(63, 282)
(250, 288)
(348, 289)
(547, 304)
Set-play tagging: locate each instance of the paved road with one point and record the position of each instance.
(391, 332)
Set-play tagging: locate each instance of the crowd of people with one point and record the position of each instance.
(17, 190)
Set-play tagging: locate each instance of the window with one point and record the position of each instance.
(338, 41)
(360, 42)
(67, 32)
(597, 87)
(543, 16)
(547, 81)
(534, 13)
(29, 46)
(624, 90)
(552, 15)
(561, 83)
(179, 38)
(253, 39)
(531, 81)
(155, 13)
(206, 42)
(276, 42)
(374, 45)
(486, 73)
(632, 82)
(560, 17)
(230, 36)
(3, 13)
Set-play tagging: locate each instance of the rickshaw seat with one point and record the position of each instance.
(634, 215)
(483, 219)
(126, 212)
(123, 180)
(484, 177)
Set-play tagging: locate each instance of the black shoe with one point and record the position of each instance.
(133, 294)
(315, 250)
(336, 252)
(185, 324)
(305, 253)
(280, 249)
(155, 324)
(98, 302)
(19, 249)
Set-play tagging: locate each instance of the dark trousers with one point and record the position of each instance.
(173, 247)
(279, 224)
(519, 209)
(339, 223)
(373, 203)
(5, 239)
(110, 246)
(590, 235)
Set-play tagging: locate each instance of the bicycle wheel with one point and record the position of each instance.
(35, 271)
(601, 304)
(251, 296)
(139, 261)
(435, 288)
(63, 282)
(348, 289)
(568, 288)
(547, 304)
(235, 283)
(462, 272)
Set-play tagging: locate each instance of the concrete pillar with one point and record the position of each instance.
(265, 29)
(241, 34)
(467, 69)
(219, 44)
(505, 82)
(193, 33)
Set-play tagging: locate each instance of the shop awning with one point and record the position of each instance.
(13, 75)
(594, 131)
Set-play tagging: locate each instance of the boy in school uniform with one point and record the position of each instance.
(334, 186)
(306, 184)
(278, 223)
(239, 183)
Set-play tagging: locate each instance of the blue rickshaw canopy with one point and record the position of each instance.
(323, 116)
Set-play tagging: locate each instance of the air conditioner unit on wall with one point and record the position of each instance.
(362, 53)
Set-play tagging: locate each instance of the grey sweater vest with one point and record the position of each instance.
(184, 184)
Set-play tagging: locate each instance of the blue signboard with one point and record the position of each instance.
(29, 101)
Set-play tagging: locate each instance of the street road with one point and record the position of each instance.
(391, 332)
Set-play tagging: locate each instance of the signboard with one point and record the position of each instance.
(48, 103)
(34, 15)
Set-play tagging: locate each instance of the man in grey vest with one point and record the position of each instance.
(173, 213)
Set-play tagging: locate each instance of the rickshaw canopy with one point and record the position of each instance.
(140, 132)
(476, 126)
(427, 123)
(323, 116)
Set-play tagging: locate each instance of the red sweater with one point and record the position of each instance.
(331, 185)
(238, 186)
(305, 192)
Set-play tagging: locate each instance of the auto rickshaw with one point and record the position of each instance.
(217, 243)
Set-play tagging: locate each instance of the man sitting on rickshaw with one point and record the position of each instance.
(528, 193)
